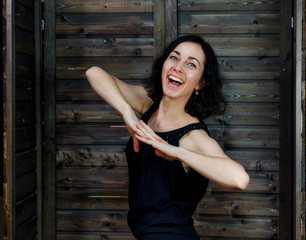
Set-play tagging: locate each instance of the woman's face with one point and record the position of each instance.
(183, 70)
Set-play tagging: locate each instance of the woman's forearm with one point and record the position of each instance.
(221, 170)
(105, 86)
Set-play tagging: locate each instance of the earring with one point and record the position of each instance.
(196, 92)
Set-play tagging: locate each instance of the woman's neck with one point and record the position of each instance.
(170, 115)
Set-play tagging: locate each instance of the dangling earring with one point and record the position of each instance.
(196, 92)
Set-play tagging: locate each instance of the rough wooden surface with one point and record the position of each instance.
(92, 178)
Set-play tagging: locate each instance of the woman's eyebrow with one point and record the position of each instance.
(191, 58)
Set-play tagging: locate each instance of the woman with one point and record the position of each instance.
(170, 155)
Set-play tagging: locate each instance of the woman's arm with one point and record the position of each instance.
(125, 98)
(201, 153)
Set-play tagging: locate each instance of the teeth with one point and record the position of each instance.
(176, 79)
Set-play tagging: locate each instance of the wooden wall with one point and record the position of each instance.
(91, 170)
(21, 125)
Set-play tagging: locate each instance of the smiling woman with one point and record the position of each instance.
(170, 154)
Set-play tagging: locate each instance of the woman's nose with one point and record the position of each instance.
(178, 67)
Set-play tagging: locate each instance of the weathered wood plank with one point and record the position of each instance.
(26, 209)
(25, 114)
(25, 66)
(231, 68)
(251, 91)
(236, 91)
(88, 24)
(25, 162)
(27, 231)
(75, 68)
(240, 227)
(85, 221)
(25, 186)
(235, 46)
(49, 73)
(103, 47)
(233, 5)
(114, 156)
(261, 182)
(228, 23)
(95, 236)
(91, 156)
(104, 6)
(25, 139)
(236, 114)
(24, 42)
(171, 21)
(211, 204)
(244, 137)
(24, 17)
(25, 90)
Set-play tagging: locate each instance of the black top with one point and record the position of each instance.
(162, 195)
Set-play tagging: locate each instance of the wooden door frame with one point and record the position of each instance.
(290, 120)
(9, 123)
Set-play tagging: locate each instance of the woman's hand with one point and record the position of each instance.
(131, 121)
(148, 136)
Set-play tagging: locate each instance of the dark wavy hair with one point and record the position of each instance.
(210, 100)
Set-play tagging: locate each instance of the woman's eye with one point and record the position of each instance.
(192, 65)
(173, 58)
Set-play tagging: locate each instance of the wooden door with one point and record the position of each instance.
(21, 119)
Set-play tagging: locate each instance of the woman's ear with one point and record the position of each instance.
(201, 84)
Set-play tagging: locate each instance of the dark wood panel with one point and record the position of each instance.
(25, 114)
(236, 46)
(24, 42)
(27, 231)
(104, 47)
(236, 91)
(233, 5)
(25, 66)
(103, 6)
(244, 228)
(75, 68)
(114, 156)
(25, 162)
(244, 137)
(25, 139)
(228, 23)
(26, 209)
(28, 3)
(25, 186)
(25, 89)
(24, 17)
(91, 156)
(251, 91)
(86, 221)
(95, 236)
(261, 182)
(88, 24)
(236, 114)
(211, 204)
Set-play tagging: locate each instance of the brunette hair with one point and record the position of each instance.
(210, 100)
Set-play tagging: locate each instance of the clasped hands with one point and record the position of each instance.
(142, 132)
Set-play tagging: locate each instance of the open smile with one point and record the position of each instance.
(175, 81)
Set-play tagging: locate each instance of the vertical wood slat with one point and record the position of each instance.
(165, 22)
(49, 204)
(286, 122)
(171, 20)
(38, 86)
(298, 184)
(9, 149)
(159, 29)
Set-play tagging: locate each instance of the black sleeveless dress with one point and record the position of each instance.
(162, 195)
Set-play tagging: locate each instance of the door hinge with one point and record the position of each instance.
(42, 24)
(292, 22)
